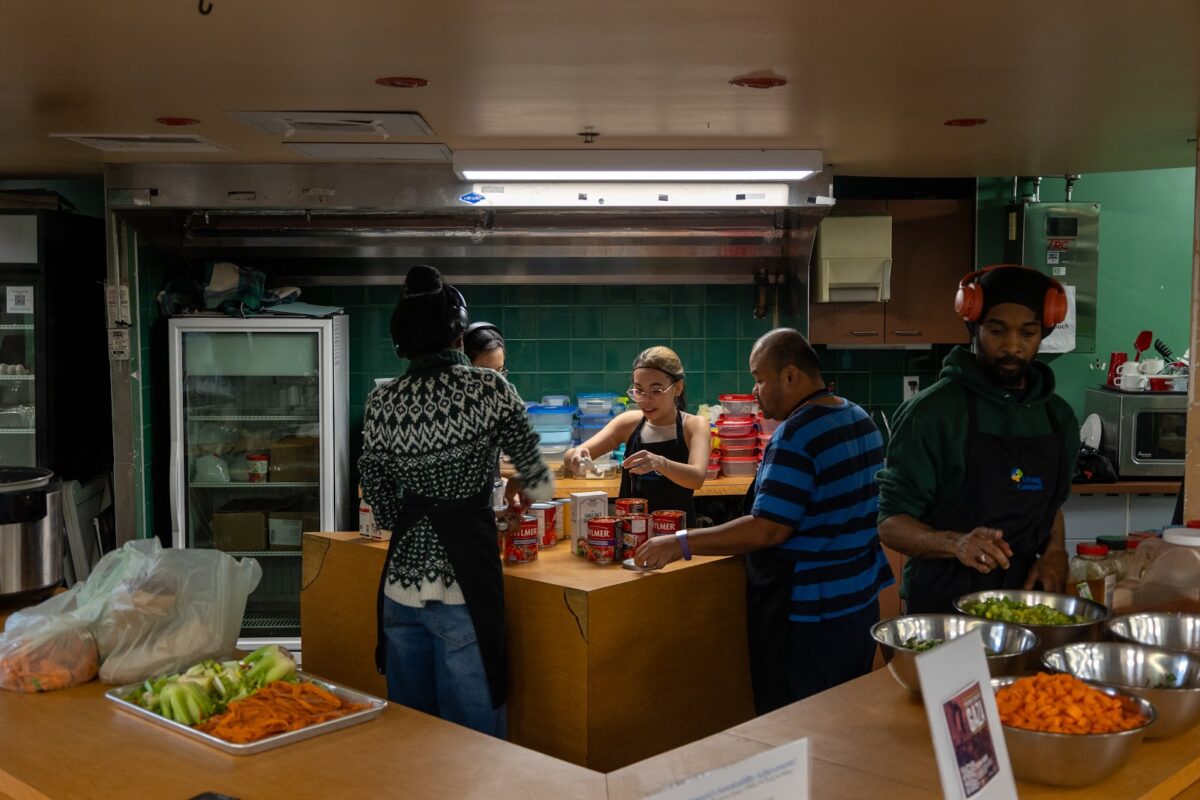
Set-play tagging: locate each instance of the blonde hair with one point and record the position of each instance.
(664, 359)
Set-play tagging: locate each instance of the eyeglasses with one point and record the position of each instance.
(503, 372)
(649, 394)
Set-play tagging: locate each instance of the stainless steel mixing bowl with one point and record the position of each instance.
(1094, 615)
(1168, 630)
(1169, 680)
(1073, 759)
(1008, 646)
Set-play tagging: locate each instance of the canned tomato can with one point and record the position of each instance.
(632, 505)
(668, 521)
(602, 539)
(547, 535)
(635, 531)
(521, 541)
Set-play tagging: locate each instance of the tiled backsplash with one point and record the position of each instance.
(570, 339)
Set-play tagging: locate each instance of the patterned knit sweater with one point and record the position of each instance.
(439, 434)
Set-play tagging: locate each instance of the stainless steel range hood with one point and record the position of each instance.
(342, 224)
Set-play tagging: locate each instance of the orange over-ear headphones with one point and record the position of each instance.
(968, 301)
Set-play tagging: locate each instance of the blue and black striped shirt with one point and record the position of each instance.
(818, 477)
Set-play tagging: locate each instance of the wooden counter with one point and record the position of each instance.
(603, 661)
(870, 738)
(717, 487)
(75, 744)
(1128, 487)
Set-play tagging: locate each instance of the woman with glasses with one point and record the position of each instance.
(666, 449)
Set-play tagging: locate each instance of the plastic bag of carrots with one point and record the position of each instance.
(53, 658)
(1063, 704)
(278, 707)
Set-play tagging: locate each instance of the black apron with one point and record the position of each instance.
(770, 575)
(661, 492)
(467, 532)
(1012, 484)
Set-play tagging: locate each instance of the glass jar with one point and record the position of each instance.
(1118, 551)
(1093, 573)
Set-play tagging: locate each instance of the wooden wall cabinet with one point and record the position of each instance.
(933, 246)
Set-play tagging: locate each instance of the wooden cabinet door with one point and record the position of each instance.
(846, 323)
(933, 246)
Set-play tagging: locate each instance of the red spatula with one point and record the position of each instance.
(1141, 343)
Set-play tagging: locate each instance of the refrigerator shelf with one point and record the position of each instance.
(16, 327)
(253, 418)
(262, 553)
(26, 431)
(259, 485)
(278, 616)
(16, 377)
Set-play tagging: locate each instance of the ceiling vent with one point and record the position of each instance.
(148, 143)
(371, 151)
(382, 124)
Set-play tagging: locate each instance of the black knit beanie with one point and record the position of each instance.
(1021, 285)
(424, 318)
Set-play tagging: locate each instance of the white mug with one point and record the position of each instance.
(1151, 366)
(1128, 368)
(1132, 382)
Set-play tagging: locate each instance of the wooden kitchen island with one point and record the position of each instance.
(606, 666)
(869, 739)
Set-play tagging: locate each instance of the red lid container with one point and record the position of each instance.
(1091, 549)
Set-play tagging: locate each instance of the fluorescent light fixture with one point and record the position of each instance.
(636, 165)
(614, 194)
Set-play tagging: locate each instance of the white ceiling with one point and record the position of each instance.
(1067, 85)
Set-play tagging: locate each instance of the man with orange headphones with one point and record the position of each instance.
(979, 464)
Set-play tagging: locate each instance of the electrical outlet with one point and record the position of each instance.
(912, 385)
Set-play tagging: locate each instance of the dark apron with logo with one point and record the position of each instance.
(660, 492)
(467, 532)
(1012, 484)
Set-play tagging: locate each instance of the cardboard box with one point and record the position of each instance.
(295, 459)
(239, 530)
(285, 528)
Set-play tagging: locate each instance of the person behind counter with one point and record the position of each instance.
(666, 449)
(430, 442)
(484, 345)
(814, 565)
(979, 464)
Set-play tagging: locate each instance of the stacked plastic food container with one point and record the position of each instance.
(595, 410)
(738, 431)
(551, 421)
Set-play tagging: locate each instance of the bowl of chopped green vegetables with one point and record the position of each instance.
(1057, 619)
(1170, 681)
(902, 639)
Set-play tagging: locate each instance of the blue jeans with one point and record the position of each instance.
(434, 665)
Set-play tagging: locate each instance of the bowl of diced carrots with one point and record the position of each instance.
(1168, 680)
(1061, 731)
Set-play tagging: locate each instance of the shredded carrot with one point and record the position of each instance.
(1063, 704)
(278, 707)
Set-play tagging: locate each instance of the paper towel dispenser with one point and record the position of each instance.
(853, 259)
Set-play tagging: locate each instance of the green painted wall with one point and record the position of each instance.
(1145, 283)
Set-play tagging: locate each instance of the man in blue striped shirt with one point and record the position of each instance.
(814, 565)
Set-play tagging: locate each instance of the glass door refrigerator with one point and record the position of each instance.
(260, 448)
(53, 346)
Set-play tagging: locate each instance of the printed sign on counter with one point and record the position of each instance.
(778, 773)
(968, 741)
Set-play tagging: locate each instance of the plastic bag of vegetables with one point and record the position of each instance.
(42, 661)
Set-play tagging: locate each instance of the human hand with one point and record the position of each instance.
(509, 516)
(983, 549)
(658, 551)
(643, 462)
(574, 457)
(1050, 570)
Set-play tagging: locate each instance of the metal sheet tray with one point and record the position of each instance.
(374, 707)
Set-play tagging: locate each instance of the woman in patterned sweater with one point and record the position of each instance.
(430, 442)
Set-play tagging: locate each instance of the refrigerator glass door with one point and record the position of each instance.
(18, 396)
(251, 407)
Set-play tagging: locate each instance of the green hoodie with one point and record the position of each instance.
(925, 469)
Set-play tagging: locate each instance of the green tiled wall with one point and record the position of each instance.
(570, 339)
